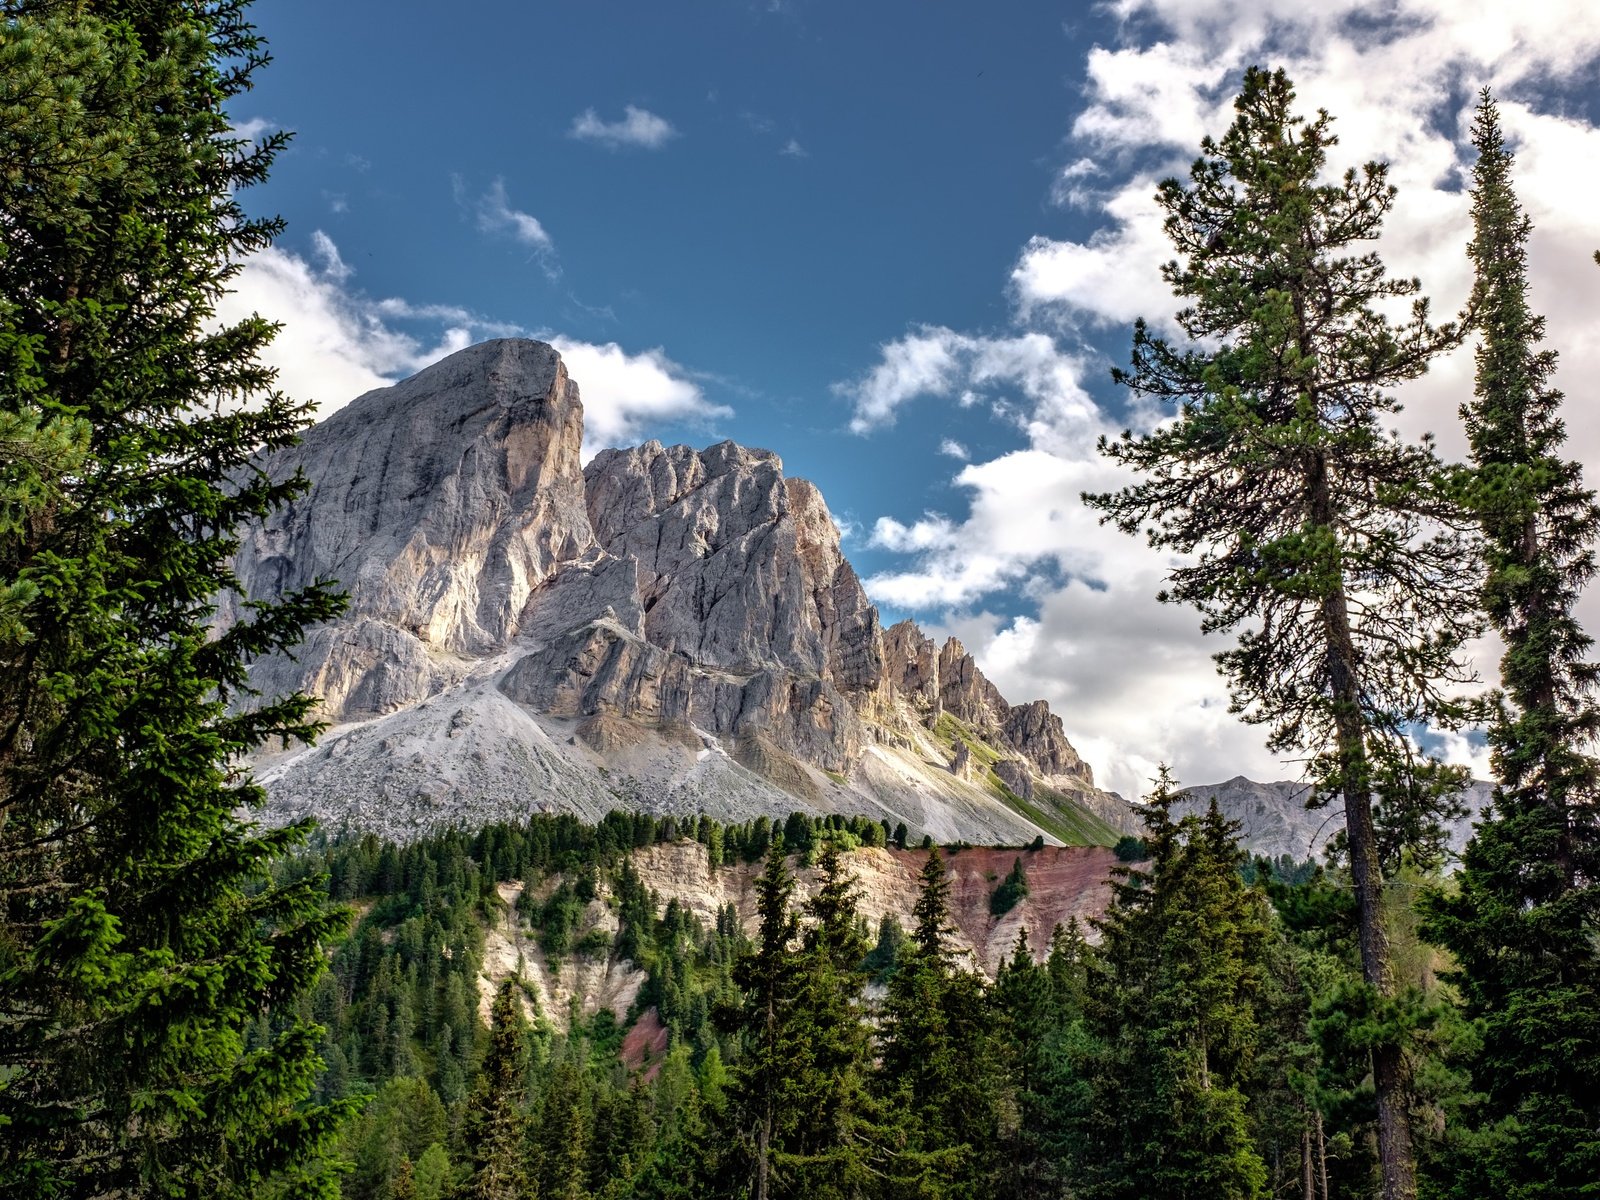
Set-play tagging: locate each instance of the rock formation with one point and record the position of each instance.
(1274, 819)
(667, 627)
(438, 518)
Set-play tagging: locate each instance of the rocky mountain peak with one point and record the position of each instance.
(526, 628)
(439, 503)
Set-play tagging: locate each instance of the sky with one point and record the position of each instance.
(901, 244)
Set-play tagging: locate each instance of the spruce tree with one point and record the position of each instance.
(763, 1111)
(1173, 1002)
(1524, 923)
(496, 1125)
(140, 934)
(939, 1058)
(840, 1148)
(1324, 539)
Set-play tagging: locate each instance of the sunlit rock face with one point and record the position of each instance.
(439, 504)
(667, 628)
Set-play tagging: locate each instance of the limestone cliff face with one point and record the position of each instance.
(739, 567)
(665, 606)
(947, 679)
(439, 504)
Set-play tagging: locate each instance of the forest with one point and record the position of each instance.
(196, 1004)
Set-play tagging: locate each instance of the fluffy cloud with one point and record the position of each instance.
(337, 342)
(934, 361)
(1134, 679)
(625, 395)
(494, 215)
(639, 128)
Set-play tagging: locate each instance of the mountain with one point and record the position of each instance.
(1274, 820)
(667, 628)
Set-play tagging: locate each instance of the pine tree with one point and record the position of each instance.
(1327, 538)
(1524, 924)
(139, 933)
(1173, 1002)
(495, 1122)
(840, 1148)
(939, 1059)
(1025, 995)
(757, 1120)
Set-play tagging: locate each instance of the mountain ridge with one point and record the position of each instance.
(667, 628)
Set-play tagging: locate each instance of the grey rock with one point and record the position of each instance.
(961, 763)
(668, 628)
(1276, 818)
(1036, 733)
(439, 504)
(739, 568)
(1016, 776)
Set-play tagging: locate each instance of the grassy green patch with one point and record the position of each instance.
(1054, 812)
(1060, 815)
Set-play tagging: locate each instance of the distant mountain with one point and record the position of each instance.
(1274, 819)
(669, 629)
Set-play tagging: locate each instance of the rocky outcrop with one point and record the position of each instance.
(1035, 732)
(688, 611)
(934, 680)
(739, 568)
(439, 504)
(1277, 818)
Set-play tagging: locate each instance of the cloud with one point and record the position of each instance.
(1132, 679)
(333, 266)
(954, 449)
(638, 127)
(625, 395)
(494, 215)
(337, 343)
(793, 149)
(254, 127)
(935, 361)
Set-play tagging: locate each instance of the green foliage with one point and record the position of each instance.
(140, 936)
(1130, 848)
(1524, 922)
(1349, 600)
(1174, 1006)
(1011, 891)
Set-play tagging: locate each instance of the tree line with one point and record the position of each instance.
(155, 958)
(1209, 1036)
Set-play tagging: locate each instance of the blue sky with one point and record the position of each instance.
(899, 243)
(922, 148)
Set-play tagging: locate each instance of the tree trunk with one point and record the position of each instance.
(1322, 1157)
(1396, 1158)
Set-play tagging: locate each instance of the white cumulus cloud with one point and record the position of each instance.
(337, 342)
(1132, 679)
(638, 127)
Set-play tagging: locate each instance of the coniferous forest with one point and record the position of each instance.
(194, 1004)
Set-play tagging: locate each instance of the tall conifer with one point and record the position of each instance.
(939, 1062)
(496, 1124)
(763, 1109)
(1173, 1003)
(140, 936)
(1524, 924)
(1300, 518)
